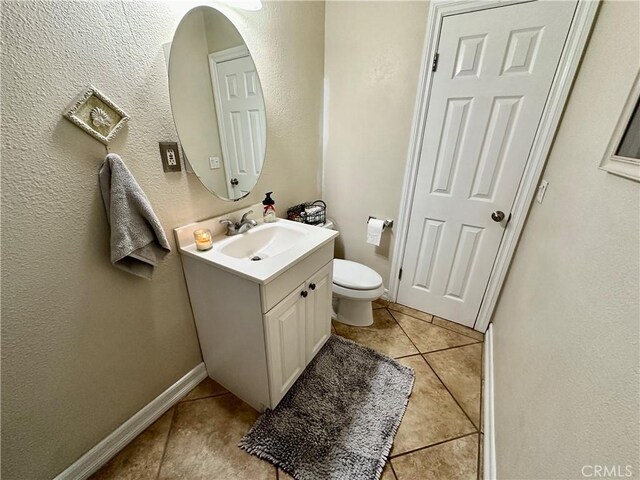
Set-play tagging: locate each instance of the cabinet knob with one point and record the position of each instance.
(312, 286)
(304, 293)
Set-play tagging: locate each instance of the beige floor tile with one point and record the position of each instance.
(141, 458)
(206, 388)
(456, 327)
(432, 415)
(380, 303)
(410, 311)
(428, 337)
(454, 460)
(387, 473)
(460, 369)
(203, 442)
(384, 335)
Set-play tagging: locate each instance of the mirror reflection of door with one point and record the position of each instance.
(217, 103)
(241, 117)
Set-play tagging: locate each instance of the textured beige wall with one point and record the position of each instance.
(566, 327)
(372, 62)
(85, 346)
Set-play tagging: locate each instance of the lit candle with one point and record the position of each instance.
(203, 239)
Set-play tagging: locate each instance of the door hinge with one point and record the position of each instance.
(434, 65)
(400, 275)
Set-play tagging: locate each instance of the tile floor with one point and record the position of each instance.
(440, 436)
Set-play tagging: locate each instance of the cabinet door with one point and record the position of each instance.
(318, 309)
(284, 328)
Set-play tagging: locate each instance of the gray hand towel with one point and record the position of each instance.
(138, 241)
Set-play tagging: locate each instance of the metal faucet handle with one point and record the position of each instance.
(244, 217)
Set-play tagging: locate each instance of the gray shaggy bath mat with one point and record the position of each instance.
(339, 419)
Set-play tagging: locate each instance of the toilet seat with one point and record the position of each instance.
(361, 295)
(355, 276)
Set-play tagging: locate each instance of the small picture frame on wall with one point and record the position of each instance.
(623, 152)
(96, 114)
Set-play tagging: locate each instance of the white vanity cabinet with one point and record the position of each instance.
(296, 329)
(260, 323)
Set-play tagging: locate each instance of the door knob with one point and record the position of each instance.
(234, 181)
(497, 216)
(304, 293)
(312, 286)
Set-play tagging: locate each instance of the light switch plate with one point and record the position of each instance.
(170, 154)
(214, 162)
(542, 189)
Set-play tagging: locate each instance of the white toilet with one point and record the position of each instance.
(355, 286)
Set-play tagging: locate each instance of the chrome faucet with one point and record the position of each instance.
(235, 228)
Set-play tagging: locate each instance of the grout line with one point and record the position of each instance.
(433, 445)
(477, 430)
(166, 442)
(412, 316)
(406, 334)
(277, 473)
(432, 322)
(432, 351)
(455, 331)
(202, 398)
(453, 396)
(449, 348)
(479, 473)
(475, 340)
(438, 377)
(406, 356)
(393, 470)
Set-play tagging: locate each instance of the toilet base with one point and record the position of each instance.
(357, 313)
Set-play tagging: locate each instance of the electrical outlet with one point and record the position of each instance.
(170, 154)
(542, 189)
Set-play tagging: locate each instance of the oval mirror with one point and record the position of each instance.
(217, 103)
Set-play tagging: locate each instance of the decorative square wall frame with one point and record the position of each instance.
(98, 116)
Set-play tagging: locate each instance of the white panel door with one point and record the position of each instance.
(243, 123)
(284, 328)
(318, 310)
(494, 72)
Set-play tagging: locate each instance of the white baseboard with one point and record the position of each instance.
(489, 445)
(120, 437)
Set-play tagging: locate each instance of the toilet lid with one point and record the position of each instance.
(354, 275)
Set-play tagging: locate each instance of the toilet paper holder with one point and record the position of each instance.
(387, 223)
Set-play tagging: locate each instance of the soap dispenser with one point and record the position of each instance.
(269, 211)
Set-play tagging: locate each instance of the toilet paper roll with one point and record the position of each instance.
(374, 231)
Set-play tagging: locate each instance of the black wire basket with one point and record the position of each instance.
(311, 213)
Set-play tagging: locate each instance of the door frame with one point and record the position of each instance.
(561, 85)
(215, 58)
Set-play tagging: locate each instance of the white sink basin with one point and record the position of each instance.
(261, 253)
(264, 241)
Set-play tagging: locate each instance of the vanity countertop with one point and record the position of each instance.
(234, 253)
